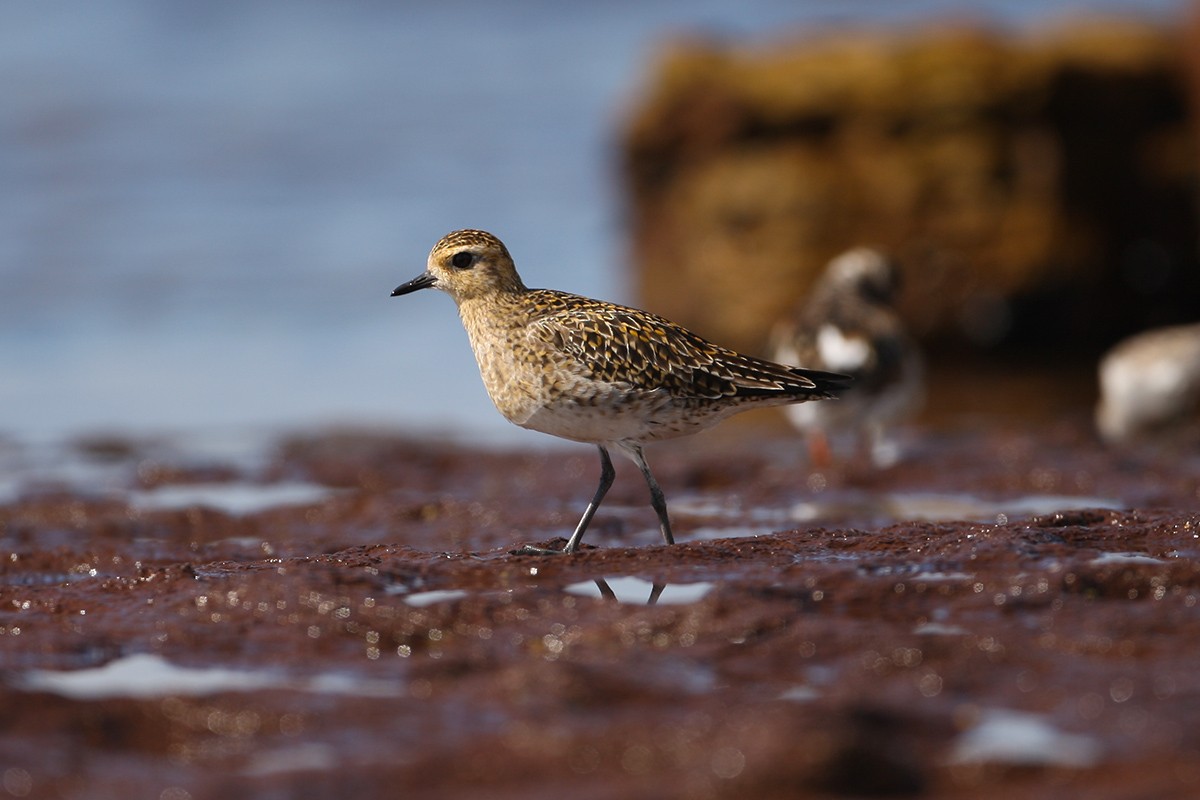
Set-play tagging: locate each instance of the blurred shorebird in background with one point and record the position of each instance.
(848, 325)
(1150, 385)
(597, 372)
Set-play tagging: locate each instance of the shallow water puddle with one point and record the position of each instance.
(1126, 558)
(942, 507)
(623, 589)
(939, 629)
(935, 575)
(144, 675)
(308, 757)
(47, 578)
(857, 507)
(110, 465)
(422, 599)
(709, 533)
(1003, 736)
(232, 498)
(799, 694)
(628, 589)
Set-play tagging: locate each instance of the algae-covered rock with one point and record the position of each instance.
(1034, 187)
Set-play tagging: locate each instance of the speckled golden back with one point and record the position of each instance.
(624, 345)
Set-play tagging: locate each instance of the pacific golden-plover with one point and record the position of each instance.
(597, 372)
(849, 325)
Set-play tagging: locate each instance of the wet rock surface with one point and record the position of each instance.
(1003, 612)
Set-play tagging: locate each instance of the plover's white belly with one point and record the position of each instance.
(597, 412)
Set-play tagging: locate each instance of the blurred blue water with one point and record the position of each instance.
(204, 204)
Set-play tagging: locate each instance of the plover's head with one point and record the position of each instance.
(865, 272)
(466, 264)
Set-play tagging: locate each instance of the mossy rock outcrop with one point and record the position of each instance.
(1036, 188)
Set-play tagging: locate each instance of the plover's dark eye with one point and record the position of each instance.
(462, 260)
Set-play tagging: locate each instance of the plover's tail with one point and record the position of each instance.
(826, 385)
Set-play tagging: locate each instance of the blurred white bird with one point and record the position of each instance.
(1150, 384)
(849, 325)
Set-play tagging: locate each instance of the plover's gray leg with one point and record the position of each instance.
(657, 499)
(607, 474)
